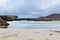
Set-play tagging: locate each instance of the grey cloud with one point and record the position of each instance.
(29, 7)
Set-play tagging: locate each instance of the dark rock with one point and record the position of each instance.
(4, 19)
(51, 34)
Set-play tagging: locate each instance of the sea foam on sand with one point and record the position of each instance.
(30, 34)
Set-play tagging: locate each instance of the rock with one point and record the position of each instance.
(4, 19)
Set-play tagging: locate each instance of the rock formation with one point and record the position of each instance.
(4, 19)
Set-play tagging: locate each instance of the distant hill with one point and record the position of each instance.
(51, 17)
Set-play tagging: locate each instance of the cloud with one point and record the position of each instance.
(39, 7)
(10, 6)
(28, 7)
(45, 4)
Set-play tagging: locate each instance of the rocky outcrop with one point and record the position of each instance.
(9, 17)
(4, 19)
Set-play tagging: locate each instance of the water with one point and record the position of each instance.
(34, 24)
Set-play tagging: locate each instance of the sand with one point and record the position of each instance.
(30, 34)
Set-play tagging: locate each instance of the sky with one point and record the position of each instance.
(29, 8)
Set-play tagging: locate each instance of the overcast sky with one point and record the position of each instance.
(29, 8)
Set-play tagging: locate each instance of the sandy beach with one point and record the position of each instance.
(30, 34)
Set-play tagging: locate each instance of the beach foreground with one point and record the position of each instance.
(30, 34)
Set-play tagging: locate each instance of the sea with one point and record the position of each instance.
(33, 24)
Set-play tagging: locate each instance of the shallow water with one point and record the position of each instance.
(34, 24)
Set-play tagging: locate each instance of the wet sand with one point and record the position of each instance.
(30, 34)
